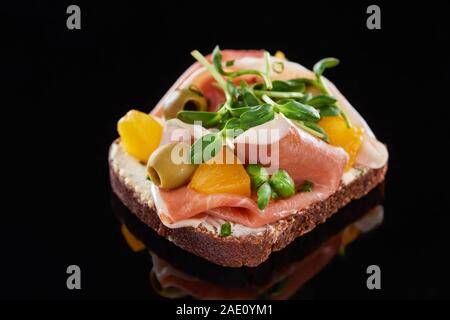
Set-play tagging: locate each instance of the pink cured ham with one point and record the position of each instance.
(373, 153)
(302, 155)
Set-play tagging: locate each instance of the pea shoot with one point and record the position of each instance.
(279, 185)
(320, 82)
(282, 183)
(247, 106)
(258, 175)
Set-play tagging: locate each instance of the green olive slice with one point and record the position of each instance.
(169, 166)
(184, 99)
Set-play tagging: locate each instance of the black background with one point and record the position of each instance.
(69, 88)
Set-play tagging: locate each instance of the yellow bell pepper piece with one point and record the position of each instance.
(221, 177)
(350, 139)
(140, 134)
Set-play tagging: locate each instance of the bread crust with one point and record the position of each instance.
(249, 250)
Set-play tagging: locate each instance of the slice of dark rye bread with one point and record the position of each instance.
(253, 249)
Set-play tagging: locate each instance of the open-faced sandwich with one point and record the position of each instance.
(245, 152)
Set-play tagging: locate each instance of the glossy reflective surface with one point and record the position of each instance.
(175, 273)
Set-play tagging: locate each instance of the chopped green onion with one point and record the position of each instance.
(225, 229)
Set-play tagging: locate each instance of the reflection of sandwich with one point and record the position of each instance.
(167, 169)
(176, 273)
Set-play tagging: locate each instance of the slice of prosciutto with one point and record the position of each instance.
(372, 154)
(303, 156)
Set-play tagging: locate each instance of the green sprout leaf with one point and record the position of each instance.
(282, 183)
(318, 130)
(206, 148)
(247, 95)
(280, 94)
(232, 128)
(207, 119)
(237, 112)
(225, 229)
(321, 101)
(264, 193)
(297, 85)
(319, 68)
(329, 111)
(256, 116)
(325, 104)
(258, 175)
(323, 64)
(293, 109)
(313, 128)
(216, 74)
(217, 60)
(245, 103)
